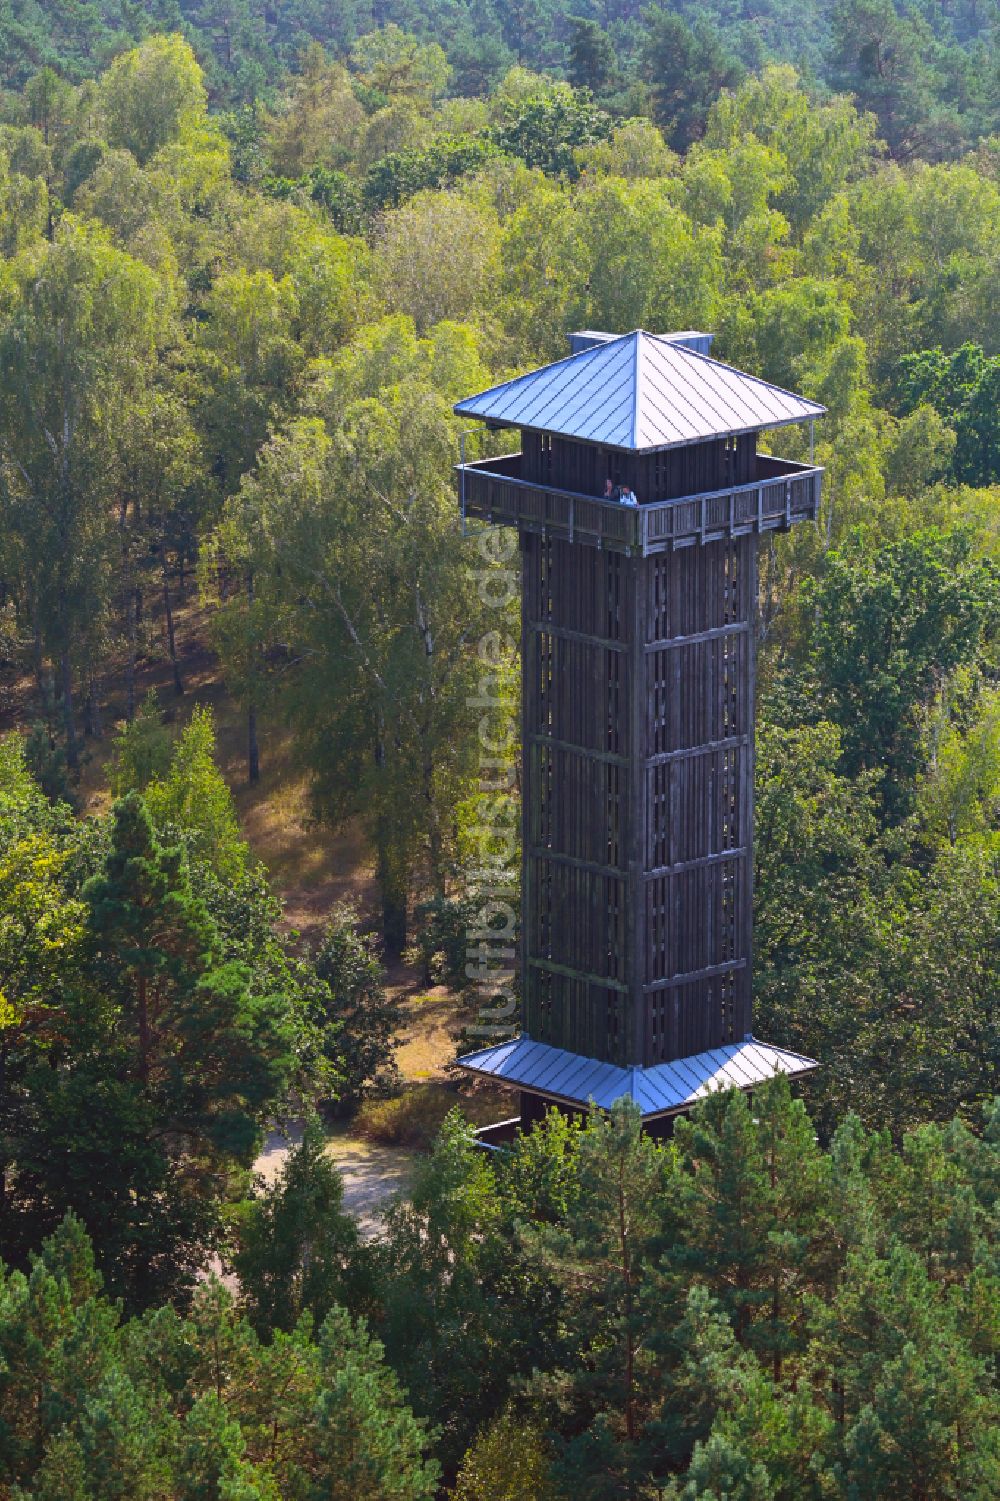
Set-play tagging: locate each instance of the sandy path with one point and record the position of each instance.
(373, 1175)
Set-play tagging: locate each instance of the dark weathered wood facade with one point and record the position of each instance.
(667, 474)
(638, 683)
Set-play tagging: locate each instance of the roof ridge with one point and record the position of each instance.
(636, 399)
(708, 359)
(566, 359)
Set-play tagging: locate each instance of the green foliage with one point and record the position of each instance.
(23, 803)
(740, 1308)
(781, 1292)
(875, 950)
(442, 938)
(399, 175)
(591, 55)
(191, 1407)
(410, 1118)
(687, 68)
(964, 389)
(889, 625)
(77, 335)
(297, 1251)
(191, 799)
(743, 1311)
(142, 749)
(358, 1018)
(153, 97)
(46, 761)
(138, 1066)
(508, 1462)
(886, 59)
(373, 592)
(546, 130)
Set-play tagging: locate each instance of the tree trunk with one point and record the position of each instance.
(626, 1268)
(253, 750)
(393, 921)
(435, 842)
(37, 657)
(393, 889)
(171, 638)
(130, 631)
(69, 723)
(392, 884)
(92, 711)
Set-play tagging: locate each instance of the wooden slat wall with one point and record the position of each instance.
(576, 696)
(638, 780)
(584, 467)
(699, 692)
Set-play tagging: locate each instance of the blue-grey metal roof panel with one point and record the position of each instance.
(660, 1090)
(640, 392)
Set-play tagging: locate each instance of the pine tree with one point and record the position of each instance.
(799, 1260)
(720, 1215)
(600, 1262)
(359, 1019)
(297, 1249)
(157, 1086)
(368, 1443)
(209, 1061)
(438, 1271)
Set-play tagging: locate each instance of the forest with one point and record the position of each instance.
(250, 257)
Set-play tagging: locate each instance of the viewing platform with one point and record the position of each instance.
(781, 494)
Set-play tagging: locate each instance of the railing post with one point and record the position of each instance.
(788, 504)
(760, 509)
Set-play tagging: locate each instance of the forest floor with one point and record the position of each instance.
(312, 868)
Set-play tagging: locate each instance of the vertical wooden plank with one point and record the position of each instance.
(639, 738)
(745, 894)
(529, 715)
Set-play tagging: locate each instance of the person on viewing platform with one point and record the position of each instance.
(609, 489)
(627, 496)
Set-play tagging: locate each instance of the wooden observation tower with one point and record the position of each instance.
(638, 656)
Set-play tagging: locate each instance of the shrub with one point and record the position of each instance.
(46, 761)
(413, 1117)
(409, 1119)
(140, 750)
(359, 1017)
(442, 937)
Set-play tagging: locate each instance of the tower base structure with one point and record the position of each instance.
(549, 1076)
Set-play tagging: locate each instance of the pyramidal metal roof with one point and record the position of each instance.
(640, 392)
(662, 1089)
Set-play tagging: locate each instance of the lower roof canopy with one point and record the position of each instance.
(663, 1089)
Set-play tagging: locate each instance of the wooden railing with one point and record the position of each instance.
(782, 494)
